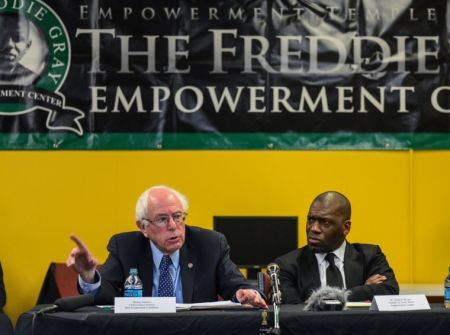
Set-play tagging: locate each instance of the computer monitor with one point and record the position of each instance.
(256, 241)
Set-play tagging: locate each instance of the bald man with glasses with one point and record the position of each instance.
(193, 262)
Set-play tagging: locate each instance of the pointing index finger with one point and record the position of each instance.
(78, 242)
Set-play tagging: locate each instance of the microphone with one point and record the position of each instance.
(327, 299)
(69, 304)
(273, 269)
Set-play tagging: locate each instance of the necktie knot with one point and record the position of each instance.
(330, 258)
(166, 261)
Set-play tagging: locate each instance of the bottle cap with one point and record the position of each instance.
(133, 271)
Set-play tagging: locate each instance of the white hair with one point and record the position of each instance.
(142, 202)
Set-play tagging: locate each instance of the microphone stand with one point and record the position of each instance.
(273, 270)
(276, 313)
(276, 319)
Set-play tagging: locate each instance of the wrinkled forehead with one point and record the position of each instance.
(321, 208)
(10, 23)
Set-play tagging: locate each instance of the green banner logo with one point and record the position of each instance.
(34, 62)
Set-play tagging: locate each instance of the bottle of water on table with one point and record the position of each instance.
(447, 290)
(133, 284)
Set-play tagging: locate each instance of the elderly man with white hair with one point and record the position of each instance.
(200, 267)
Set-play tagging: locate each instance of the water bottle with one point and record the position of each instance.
(447, 290)
(133, 285)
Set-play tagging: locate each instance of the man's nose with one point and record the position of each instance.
(171, 224)
(315, 227)
(6, 43)
(10, 42)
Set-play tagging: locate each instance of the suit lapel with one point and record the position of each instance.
(353, 267)
(188, 262)
(145, 268)
(310, 280)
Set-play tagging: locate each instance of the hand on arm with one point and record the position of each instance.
(250, 296)
(381, 280)
(82, 261)
(375, 279)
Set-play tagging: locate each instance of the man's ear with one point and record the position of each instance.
(347, 227)
(141, 227)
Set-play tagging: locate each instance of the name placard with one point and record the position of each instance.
(413, 302)
(144, 305)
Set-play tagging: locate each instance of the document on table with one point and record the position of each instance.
(226, 304)
(358, 304)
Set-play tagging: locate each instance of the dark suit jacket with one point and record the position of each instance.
(299, 273)
(205, 265)
(2, 290)
(5, 324)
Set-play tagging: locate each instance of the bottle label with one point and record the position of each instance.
(447, 293)
(132, 293)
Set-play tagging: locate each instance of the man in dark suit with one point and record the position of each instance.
(329, 260)
(199, 267)
(2, 290)
(5, 324)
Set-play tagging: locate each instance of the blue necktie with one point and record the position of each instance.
(165, 288)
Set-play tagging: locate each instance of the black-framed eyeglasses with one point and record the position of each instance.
(163, 220)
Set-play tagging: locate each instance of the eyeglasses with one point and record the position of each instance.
(163, 220)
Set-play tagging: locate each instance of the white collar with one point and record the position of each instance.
(157, 256)
(339, 253)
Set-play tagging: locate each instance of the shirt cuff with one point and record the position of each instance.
(88, 287)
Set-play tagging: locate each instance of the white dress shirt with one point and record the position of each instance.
(338, 261)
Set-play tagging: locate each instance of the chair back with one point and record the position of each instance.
(60, 281)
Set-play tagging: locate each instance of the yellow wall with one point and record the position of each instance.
(400, 201)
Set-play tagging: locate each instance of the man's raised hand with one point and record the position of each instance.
(81, 260)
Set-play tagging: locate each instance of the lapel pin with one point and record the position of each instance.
(190, 265)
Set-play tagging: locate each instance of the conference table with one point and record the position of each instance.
(293, 320)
